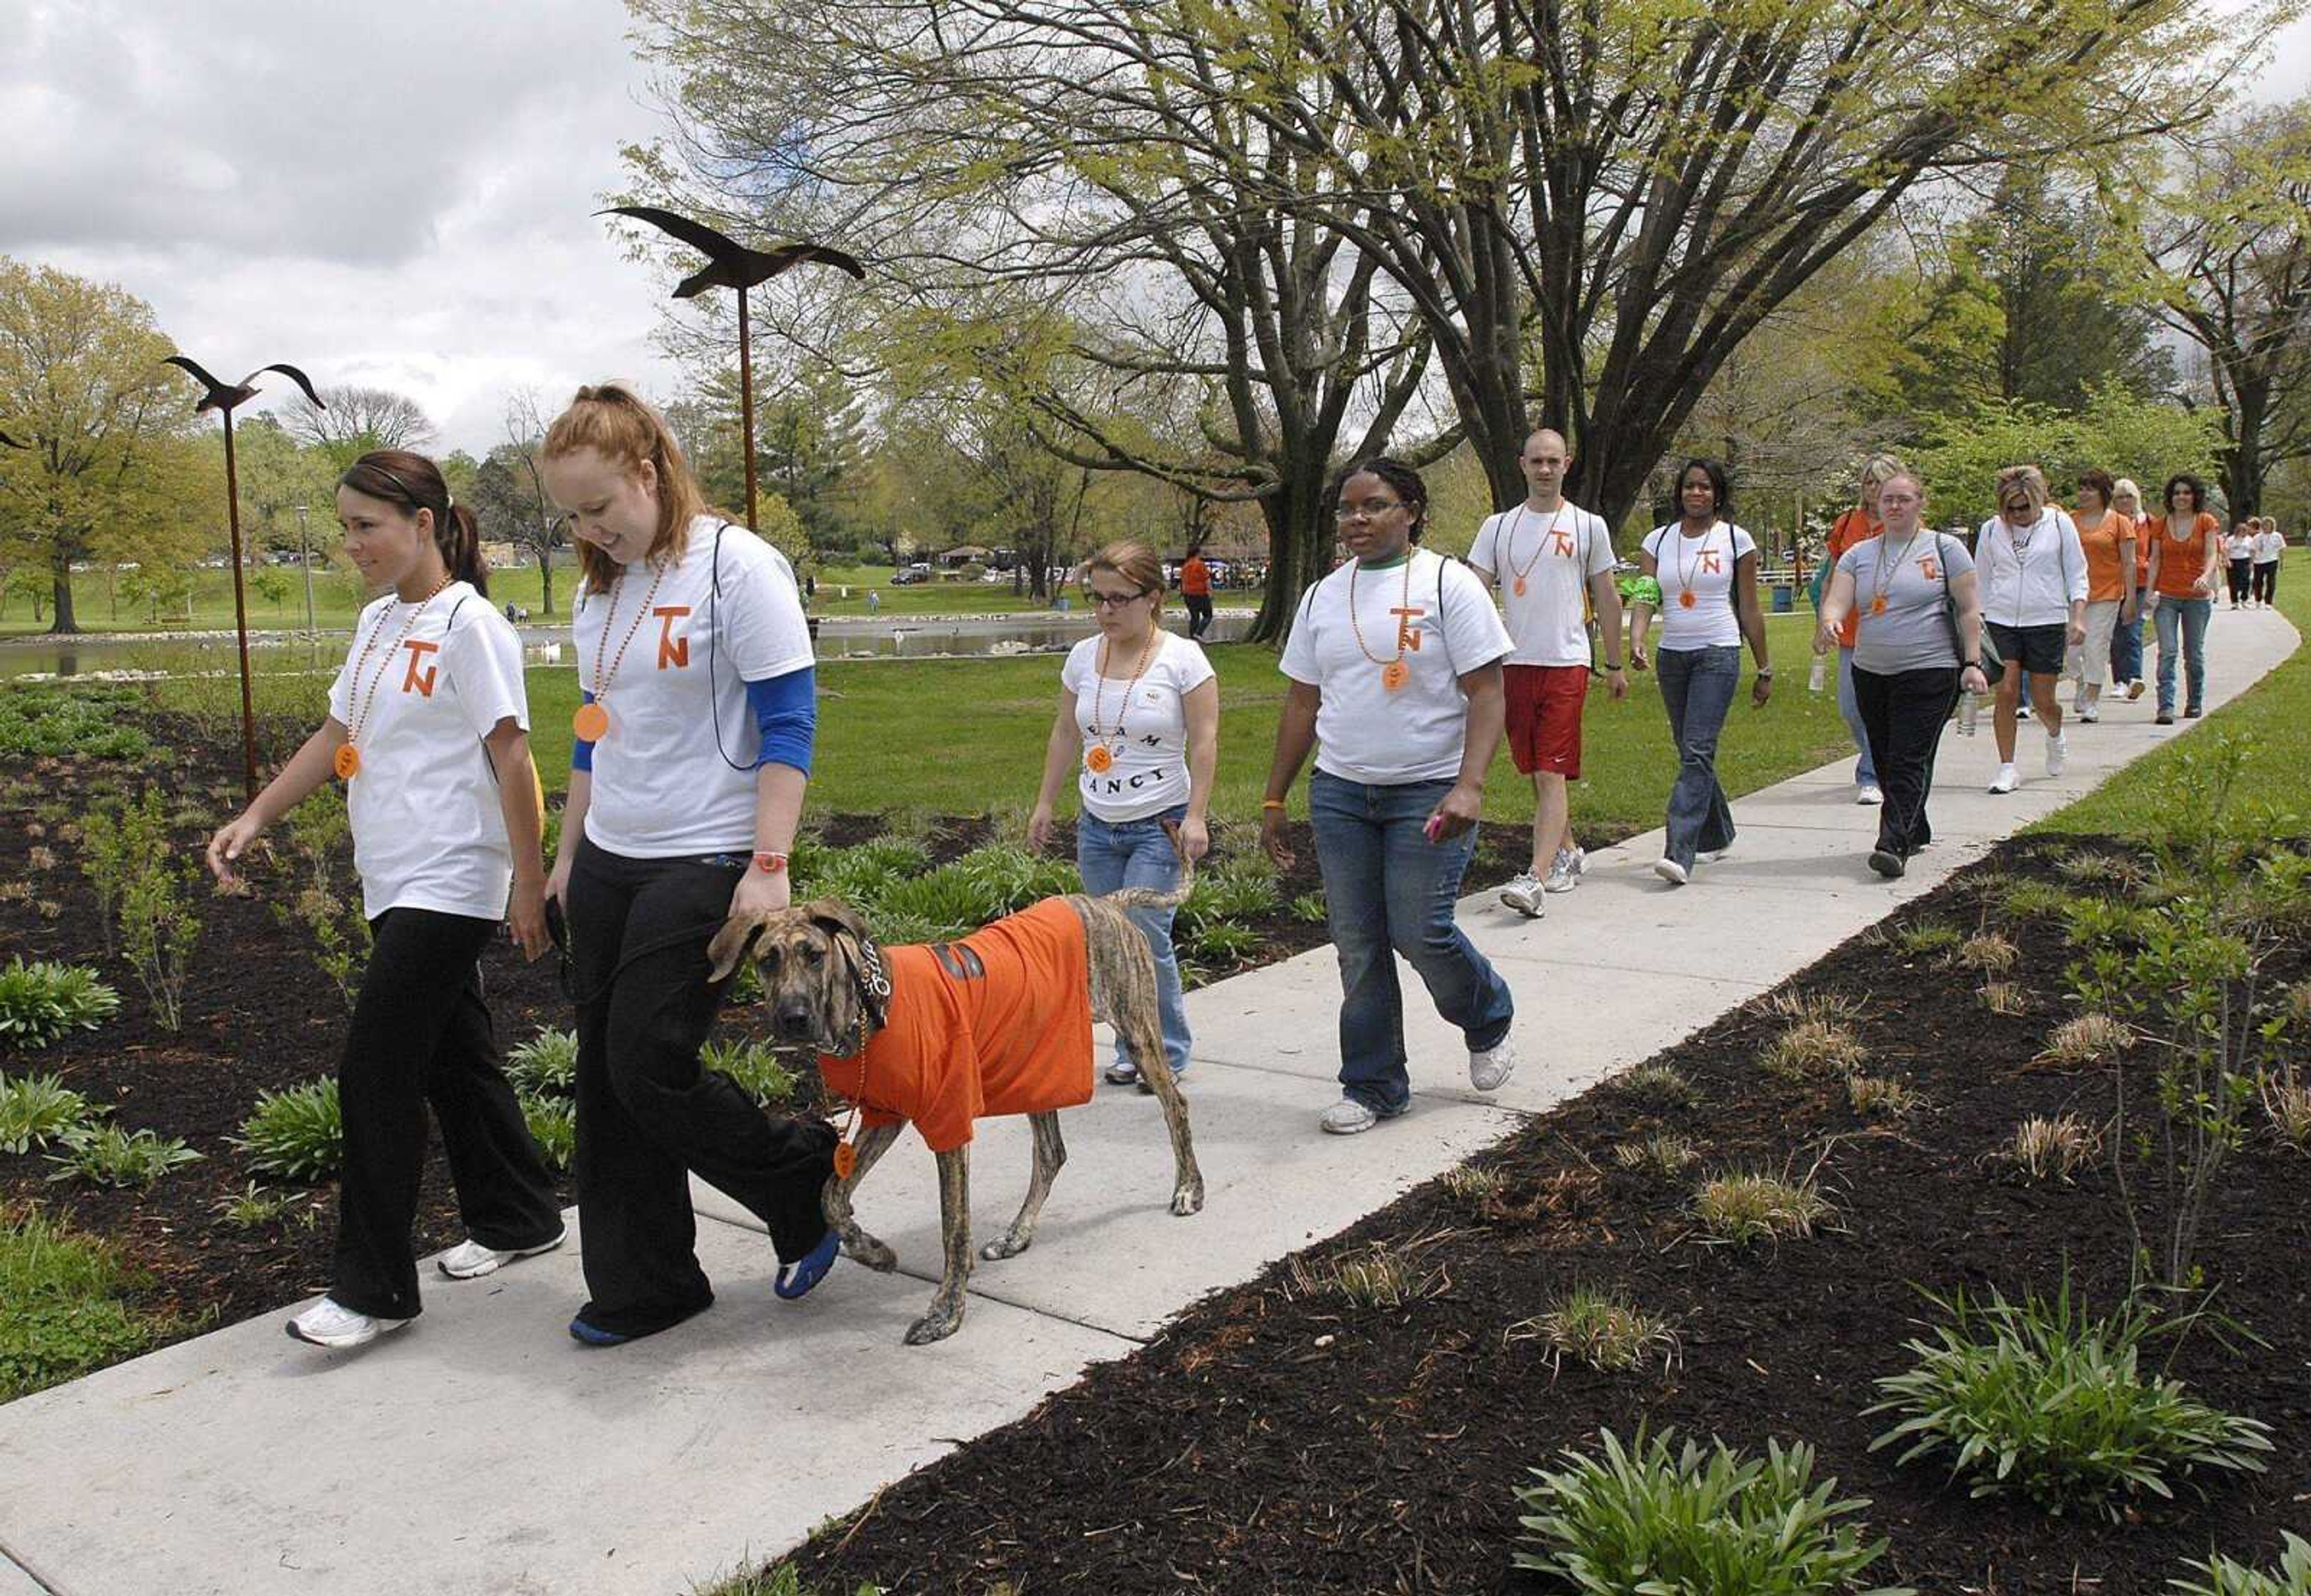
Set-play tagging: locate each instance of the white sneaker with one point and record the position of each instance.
(1348, 1117)
(1669, 870)
(1524, 894)
(470, 1260)
(1710, 856)
(2007, 779)
(1490, 1068)
(2090, 712)
(2058, 753)
(1870, 792)
(1564, 870)
(326, 1324)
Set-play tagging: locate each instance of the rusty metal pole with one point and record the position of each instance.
(746, 410)
(240, 615)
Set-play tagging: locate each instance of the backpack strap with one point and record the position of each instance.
(1443, 631)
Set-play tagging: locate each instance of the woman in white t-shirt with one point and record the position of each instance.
(1395, 666)
(2238, 549)
(427, 726)
(2270, 544)
(1707, 567)
(1139, 724)
(694, 748)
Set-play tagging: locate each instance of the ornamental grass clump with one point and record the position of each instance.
(42, 1001)
(1664, 1153)
(1989, 953)
(1474, 1185)
(1603, 1331)
(1658, 1516)
(1927, 938)
(1880, 1097)
(298, 1133)
(2088, 1039)
(1813, 1048)
(2041, 1399)
(2051, 1148)
(1743, 1208)
(2220, 1576)
(1656, 1086)
(2006, 998)
(1384, 1275)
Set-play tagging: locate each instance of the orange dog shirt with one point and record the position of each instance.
(998, 1022)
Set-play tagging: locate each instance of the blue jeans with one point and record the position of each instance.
(1388, 890)
(1113, 855)
(2190, 617)
(2126, 645)
(1865, 774)
(1697, 687)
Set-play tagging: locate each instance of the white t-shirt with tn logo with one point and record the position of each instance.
(1700, 568)
(662, 788)
(1556, 554)
(428, 829)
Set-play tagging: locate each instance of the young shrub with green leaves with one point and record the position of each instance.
(546, 1062)
(298, 1133)
(41, 1001)
(1659, 1515)
(2220, 1576)
(2042, 1399)
(145, 885)
(108, 1156)
(328, 906)
(36, 1110)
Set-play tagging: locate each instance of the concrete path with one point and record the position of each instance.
(481, 1450)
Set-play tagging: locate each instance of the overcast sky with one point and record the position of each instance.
(392, 193)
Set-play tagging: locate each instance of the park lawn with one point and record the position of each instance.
(2275, 713)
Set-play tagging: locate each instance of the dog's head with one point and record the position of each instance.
(824, 982)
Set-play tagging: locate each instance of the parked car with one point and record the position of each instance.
(908, 574)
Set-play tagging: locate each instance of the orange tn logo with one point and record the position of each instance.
(419, 681)
(1709, 562)
(672, 649)
(1406, 637)
(1929, 569)
(1563, 540)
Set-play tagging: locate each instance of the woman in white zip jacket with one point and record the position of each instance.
(2033, 582)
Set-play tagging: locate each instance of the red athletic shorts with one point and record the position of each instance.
(1544, 710)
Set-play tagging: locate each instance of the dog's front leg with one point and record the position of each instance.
(954, 1224)
(874, 1141)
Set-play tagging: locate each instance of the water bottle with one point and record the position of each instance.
(1818, 674)
(1969, 712)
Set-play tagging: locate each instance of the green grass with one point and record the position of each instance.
(2276, 711)
(64, 1305)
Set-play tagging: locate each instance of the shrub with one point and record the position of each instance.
(1309, 908)
(61, 1307)
(1659, 1516)
(145, 886)
(1601, 1330)
(1878, 1097)
(329, 907)
(1664, 1153)
(1223, 941)
(546, 1062)
(1241, 890)
(553, 1126)
(755, 1067)
(2088, 1039)
(36, 1110)
(2224, 1577)
(1657, 1086)
(298, 1133)
(2100, 923)
(41, 1001)
(1813, 1048)
(2052, 1148)
(50, 723)
(1749, 1207)
(2042, 1399)
(108, 1156)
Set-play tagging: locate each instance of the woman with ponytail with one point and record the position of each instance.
(429, 729)
(694, 747)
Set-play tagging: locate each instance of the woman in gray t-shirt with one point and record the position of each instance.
(1912, 592)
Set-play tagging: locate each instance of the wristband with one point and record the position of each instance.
(1272, 804)
(1766, 672)
(1612, 665)
(772, 863)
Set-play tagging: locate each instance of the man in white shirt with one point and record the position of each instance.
(1544, 556)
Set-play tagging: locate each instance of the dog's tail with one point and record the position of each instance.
(1142, 897)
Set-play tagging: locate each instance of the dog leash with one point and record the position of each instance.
(872, 980)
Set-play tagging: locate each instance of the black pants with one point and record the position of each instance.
(1903, 714)
(1199, 612)
(2266, 582)
(2239, 581)
(647, 1114)
(421, 1034)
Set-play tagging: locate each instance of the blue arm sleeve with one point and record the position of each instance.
(581, 751)
(785, 712)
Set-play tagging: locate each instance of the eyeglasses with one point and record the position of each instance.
(1099, 600)
(1371, 510)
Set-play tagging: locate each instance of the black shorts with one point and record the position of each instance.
(2037, 650)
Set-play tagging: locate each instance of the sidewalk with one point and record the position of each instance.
(481, 1450)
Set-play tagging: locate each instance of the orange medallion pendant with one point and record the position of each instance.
(1685, 599)
(1878, 605)
(591, 722)
(1394, 674)
(347, 763)
(846, 1159)
(1098, 759)
(1518, 588)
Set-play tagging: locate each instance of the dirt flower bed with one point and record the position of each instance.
(1312, 1432)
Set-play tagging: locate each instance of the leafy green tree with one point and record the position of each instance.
(2123, 434)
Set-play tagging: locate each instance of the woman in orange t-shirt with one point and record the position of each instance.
(2108, 539)
(2182, 589)
(1859, 525)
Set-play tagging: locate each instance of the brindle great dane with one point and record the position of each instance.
(817, 962)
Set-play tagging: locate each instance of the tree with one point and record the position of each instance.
(2123, 434)
(278, 474)
(356, 421)
(509, 489)
(2227, 241)
(80, 380)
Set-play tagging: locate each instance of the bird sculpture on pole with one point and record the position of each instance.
(732, 264)
(223, 399)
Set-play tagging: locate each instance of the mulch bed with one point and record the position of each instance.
(260, 1015)
(1272, 1439)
